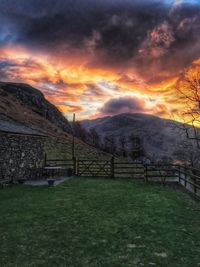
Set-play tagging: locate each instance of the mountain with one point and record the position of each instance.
(161, 138)
(24, 110)
(23, 103)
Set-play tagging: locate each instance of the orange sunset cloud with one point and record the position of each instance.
(81, 69)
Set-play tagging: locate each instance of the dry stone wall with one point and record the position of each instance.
(21, 156)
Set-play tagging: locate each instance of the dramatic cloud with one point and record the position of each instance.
(82, 53)
(158, 42)
(130, 104)
(123, 105)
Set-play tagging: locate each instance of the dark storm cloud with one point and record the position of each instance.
(123, 105)
(150, 35)
(46, 23)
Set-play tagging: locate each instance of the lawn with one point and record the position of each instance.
(98, 222)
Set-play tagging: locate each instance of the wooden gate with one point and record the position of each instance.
(95, 168)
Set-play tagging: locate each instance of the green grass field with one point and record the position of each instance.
(98, 222)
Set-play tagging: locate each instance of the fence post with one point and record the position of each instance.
(179, 173)
(112, 165)
(74, 166)
(77, 168)
(146, 173)
(195, 188)
(44, 172)
(185, 174)
(45, 158)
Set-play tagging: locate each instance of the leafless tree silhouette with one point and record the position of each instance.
(188, 88)
(122, 144)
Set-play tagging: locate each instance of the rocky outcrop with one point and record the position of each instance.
(34, 100)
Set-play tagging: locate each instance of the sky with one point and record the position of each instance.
(98, 57)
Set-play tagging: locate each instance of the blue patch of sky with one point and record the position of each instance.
(5, 64)
(170, 2)
(6, 35)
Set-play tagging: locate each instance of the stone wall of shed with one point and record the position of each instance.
(21, 156)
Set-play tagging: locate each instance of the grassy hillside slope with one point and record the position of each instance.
(24, 109)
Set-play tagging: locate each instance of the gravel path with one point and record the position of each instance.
(58, 180)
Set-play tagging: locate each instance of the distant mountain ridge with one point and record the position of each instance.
(161, 137)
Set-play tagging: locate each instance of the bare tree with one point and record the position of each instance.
(122, 144)
(79, 131)
(187, 154)
(188, 87)
(110, 144)
(94, 138)
(137, 149)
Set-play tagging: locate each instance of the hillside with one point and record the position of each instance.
(23, 103)
(24, 109)
(161, 138)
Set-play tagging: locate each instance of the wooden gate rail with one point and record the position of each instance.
(109, 168)
(98, 168)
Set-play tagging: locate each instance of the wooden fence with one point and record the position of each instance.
(109, 168)
(59, 166)
(190, 178)
(94, 168)
(186, 176)
(161, 172)
(128, 169)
